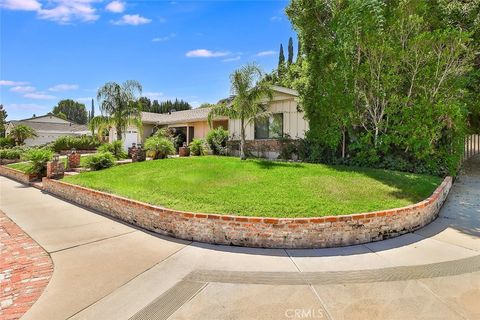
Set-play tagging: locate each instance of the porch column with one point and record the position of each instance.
(188, 135)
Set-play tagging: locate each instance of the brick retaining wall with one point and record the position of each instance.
(331, 231)
(16, 175)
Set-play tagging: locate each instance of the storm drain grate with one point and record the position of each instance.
(170, 301)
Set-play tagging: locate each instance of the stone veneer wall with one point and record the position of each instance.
(331, 231)
(16, 175)
(264, 148)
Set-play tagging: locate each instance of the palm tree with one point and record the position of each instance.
(251, 93)
(119, 106)
(21, 133)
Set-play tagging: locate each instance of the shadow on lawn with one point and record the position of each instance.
(269, 164)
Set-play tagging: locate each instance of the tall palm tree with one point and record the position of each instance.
(119, 106)
(251, 93)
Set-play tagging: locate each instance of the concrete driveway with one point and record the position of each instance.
(104, 269)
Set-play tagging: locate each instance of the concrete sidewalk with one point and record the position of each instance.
(105, 269)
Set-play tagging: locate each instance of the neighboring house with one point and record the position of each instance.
(262, 137)
(48, 128)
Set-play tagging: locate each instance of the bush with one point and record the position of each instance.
(115, 148)
(160, 147)
(217, 141)
(99, 161)
(38, 159)
(7, 142)
(10, 154)
(79, 143)
(198, 147)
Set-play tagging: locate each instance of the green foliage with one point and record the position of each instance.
(290, 51)
(79, 143)
(385, 83)
(21, 133)
(115, 148)
(3, 117)
(71, 110)
(38, 159)
(198, 147)
(160, 147)
(11, 154)
(217, 140)
(99, 161)
(164, 106)
(7, 142)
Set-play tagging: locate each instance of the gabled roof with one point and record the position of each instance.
(50, 126)
(49, 115)
(199, 114)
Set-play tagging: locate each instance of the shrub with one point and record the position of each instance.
(198, 147)
(79, 143)
(99, 161)
(115, 148)
(10, 154)
(217, 141)
(38, 159)
(160, 147)
(7, 142)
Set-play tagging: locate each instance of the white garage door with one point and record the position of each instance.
(131, 136)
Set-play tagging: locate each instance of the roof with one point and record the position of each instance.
(50, 115)
(199, 114)
(49, 126)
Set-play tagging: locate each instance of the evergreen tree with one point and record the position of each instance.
(281, 62)
(299, 50)
(290, 51)
(3, 116)
(92, 113)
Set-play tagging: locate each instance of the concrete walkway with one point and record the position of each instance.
(104, 269)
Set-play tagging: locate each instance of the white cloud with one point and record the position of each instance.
(153, 95)
(132, 19)
(63, 87)
(204, 53)
(275, 18)
(22, 89)
(66, 11)
(116, 6)
(266, 53)
(27, 5)
(162, 39)
(39, 96)
(231, 59)
(12, 83)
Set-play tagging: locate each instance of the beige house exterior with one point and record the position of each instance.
(48, 128)
(287, 120)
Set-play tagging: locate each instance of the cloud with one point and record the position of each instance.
(116, 6)
(204, 53)
(266, 53)
(132, 19)
(39, 96)
(166, 38)
(231, 59)
(22, 89)
(63, 87)
(27, 5)
(65, 11)
(275, 18)
(12, 83)
(153, 95)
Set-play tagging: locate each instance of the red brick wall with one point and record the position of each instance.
(331, 231)
(16, 174)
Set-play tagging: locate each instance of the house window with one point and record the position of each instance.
(270, 128)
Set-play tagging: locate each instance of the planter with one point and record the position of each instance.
(183, 152)
(17, 175)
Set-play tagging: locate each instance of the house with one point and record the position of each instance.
(262, 136)
(48, 128)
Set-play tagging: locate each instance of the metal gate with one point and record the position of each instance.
(472, 146)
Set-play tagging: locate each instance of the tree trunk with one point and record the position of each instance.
(242, 141)
(343, 143)
(119, 134)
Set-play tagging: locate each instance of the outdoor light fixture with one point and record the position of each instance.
(56, 157)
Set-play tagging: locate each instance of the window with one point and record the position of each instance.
(270, 128)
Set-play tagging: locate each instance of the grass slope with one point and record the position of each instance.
(259, 188)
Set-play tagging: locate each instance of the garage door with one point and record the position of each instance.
(131, 136)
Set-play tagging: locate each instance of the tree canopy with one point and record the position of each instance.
(73, 110)
(163, 106)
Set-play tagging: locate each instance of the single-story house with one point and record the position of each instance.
(262, 137)
(48, 128)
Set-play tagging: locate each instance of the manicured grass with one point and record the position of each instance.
(259, 188)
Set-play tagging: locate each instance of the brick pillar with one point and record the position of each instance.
(138, 154)
(73, 160)
(52, 169)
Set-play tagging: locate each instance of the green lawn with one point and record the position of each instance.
(24, 166)
(259, 188)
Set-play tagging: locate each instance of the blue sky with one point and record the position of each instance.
(56, 49)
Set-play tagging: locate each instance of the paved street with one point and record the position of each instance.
(104, 269)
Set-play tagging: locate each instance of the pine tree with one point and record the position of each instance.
(281, 58)
(290, 51)
(299, 51)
